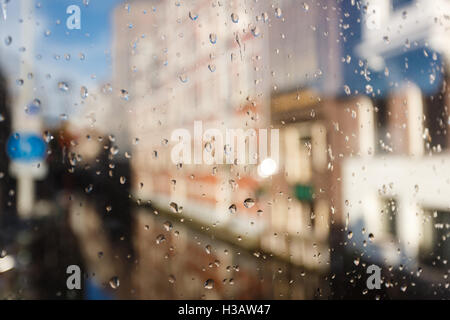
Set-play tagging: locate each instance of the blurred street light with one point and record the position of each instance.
(267, 168)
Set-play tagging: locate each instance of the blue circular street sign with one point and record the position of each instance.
(26, 147)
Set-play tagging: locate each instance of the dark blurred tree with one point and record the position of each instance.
(7, 183)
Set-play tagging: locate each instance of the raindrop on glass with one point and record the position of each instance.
(209, 284)
(183, 78)
(213, 38)
(255, 31)
(114, 150)
(278, 13)
(63, 86)
(174, 207)
(33, 107)
(265, 17)
(168, 225)
(347, 90)
(114, 282)
(160, 239)
(305, 6)
(211, 67)
(249, 202)
(124, 95)
(107, 88)
(89, 188)
(8, 40)
(84, 92)
(193, 16)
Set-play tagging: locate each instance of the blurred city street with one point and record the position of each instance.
(201, 149)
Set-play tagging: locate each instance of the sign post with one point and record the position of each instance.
(26, 147)
(27, 152)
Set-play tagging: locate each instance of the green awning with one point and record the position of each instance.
(303, 192)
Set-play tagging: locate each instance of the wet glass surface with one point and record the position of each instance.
(224, 149)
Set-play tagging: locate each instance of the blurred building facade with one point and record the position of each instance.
(398, 194)
(362, 172)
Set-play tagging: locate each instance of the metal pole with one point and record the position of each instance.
(21, 121)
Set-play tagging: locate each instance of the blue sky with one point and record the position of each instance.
(412, 65)
(53, 39)
(93, 39)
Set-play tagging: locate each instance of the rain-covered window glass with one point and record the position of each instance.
(205, 149)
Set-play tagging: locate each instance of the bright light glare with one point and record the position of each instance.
(267, 168)
(6, 263)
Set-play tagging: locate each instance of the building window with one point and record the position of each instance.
(389, 213)
(436, 122)
(381, 115)
(400, 4)
(435, 244)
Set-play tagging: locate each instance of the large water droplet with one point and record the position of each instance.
(107, 88)
(124, 95)
(172, 278)
(84, 92)
(114, 282)
(168, 225)
(249, 202)
(63, 86)
(193, 16)
(213, 38)
(209, 284)
(8, 40)
(183, 78)
(255, 31)
(278, 13)
(233, 184)
(47, 136)
(114, 150)
(265, 16)
(160, 239)
(33, 107)
(208, 147)
(305, 6)
(232, 208)
(347, 90)
(89, 188)
(174, 207)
